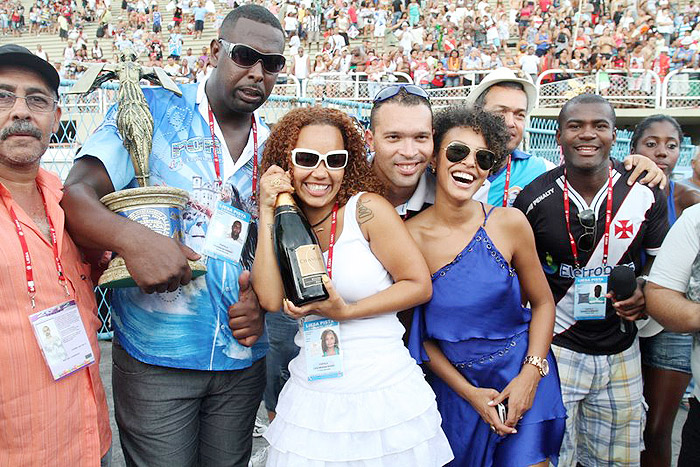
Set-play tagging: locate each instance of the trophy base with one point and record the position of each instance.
(157, 207)
(117, 276)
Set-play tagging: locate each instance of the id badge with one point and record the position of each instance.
(589, 297)
(62, 339)
(324, 355)
(226, 233)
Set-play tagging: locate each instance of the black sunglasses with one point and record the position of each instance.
(246, 57)
(456, 152)
(588, 221)
(390, 91)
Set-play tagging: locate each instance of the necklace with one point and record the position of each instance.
(322, 221)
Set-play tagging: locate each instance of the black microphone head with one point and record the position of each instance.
(623, 282)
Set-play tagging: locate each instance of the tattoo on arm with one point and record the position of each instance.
(272, 230)
(364, 214)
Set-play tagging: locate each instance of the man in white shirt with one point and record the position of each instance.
(171, 66)
(664, 24)
(299, 67)
(68, 53)
(191, 59)
(41, 53)
(337, 41)
(530, 63)
(672, 298)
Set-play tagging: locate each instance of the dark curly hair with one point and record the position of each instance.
(283, 138)
(490, 126)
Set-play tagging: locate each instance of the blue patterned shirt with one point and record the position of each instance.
(187, 328)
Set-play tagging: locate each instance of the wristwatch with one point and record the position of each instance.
(541, 363)
(642, 281)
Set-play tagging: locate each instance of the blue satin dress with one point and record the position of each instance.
(476, 318)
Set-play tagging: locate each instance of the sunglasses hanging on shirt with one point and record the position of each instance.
(588, 221)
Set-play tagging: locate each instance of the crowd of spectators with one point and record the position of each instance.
(438, 43)
(443, 44)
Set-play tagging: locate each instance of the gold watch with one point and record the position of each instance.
(541, 363)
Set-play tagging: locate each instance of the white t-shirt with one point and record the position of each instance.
(301, 66)
(529, 64)
(677, 267)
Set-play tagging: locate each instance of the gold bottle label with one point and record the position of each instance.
(310, 262)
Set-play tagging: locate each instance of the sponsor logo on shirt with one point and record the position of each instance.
(571, 272)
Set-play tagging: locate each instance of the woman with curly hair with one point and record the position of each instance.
(482, 347)
(378, 410)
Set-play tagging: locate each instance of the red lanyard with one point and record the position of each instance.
(608, 218)
(507, 187)
(217, 165)
(331, 240)
(29, 270)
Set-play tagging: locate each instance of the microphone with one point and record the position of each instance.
(623, 282)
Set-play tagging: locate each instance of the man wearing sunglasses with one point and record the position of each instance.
(188, 363)
(512, 95)
(587, 220)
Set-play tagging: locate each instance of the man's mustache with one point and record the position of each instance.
(20, 127)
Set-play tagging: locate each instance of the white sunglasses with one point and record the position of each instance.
(310, 159)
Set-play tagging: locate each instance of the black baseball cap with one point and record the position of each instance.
(16, 55)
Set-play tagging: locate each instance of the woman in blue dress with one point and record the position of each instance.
(480, 345)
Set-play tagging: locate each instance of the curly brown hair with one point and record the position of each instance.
(490, 126)
(283, 138)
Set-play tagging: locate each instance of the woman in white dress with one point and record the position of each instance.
(378, 411)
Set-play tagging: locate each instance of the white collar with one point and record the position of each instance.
(424, 193)
(229, 166)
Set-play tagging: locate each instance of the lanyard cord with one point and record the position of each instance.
(608, 218)
(507, 185)
(331, 241)
(28, 268)
(217, 163)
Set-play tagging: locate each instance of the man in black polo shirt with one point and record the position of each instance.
(587, 220)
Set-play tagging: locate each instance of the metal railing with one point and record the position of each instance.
(636, 89)
(354, 86)
(681, 89)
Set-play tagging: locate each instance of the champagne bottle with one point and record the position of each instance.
(298, 253)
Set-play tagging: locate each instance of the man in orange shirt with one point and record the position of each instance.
(50, 412)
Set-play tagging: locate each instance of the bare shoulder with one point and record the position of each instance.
(420, 221)
(510, 220)
(686, 196)
(371, 206)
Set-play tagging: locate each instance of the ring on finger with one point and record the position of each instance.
(493, 428)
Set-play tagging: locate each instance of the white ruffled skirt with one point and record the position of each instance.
(396, 424)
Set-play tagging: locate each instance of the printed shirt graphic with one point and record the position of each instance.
(639, 223)
(187, 328)
(524, 169)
